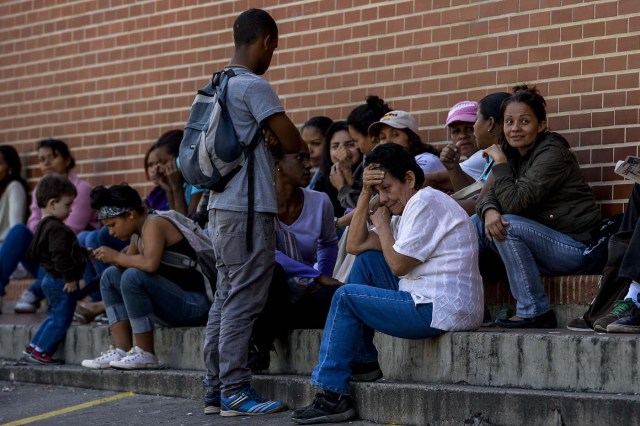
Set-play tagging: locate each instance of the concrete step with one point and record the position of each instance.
(536, 359)
(381, 402)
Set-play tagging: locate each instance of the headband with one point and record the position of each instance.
(107, 212)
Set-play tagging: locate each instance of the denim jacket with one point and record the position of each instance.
(546, 185)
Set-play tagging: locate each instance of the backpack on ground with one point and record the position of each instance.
(210, 153)
(199, 241)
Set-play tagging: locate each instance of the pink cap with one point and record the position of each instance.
(397, 119)
(463, 111)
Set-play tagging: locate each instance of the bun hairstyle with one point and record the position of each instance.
(365, 115)
(530, 96)
(121, 196)
(58, 147)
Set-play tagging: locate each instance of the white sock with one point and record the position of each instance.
(38, 348)
(634, 290)
(120, 352)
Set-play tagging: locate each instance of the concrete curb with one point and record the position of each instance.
(533, 359)
(382, 402)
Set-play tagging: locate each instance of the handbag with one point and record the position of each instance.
(287, 243)
(474, 189)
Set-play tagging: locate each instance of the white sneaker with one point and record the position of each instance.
(136, 359)
(27, 304)
(104, 359)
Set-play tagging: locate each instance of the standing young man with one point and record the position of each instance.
(244, 274)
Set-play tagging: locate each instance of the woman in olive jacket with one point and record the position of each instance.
(539, 214)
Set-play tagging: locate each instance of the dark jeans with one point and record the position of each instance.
(630, 266)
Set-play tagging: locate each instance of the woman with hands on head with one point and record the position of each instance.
(428, 241)
(162, 162)
(143, 284)
(539, 213)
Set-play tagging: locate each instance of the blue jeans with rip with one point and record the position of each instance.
(141, 298)
(355, 308)
(62, 305)
(529, 251)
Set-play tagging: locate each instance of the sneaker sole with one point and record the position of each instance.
(25, 311)
(95, 366)
(233, 413)
(580, 329)
(618, 328)
(599, 328)
(211, 409)
(350, 414)
(135, 367)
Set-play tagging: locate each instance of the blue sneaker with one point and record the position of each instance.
(248, 402)
(211, 401)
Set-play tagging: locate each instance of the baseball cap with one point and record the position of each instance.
(463, 111)
(395, 119)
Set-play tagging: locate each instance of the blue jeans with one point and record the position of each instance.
(13, 251)
(371, 268)
(529, 251)
(140, 298)
(92, 240)
(355, 307)
(61, 308)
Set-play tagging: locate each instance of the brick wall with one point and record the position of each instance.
(109, 76)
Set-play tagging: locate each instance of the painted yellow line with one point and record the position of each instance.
(69, 409)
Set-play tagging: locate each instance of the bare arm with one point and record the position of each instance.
(360, 238)
(285, 132)
(400, 264)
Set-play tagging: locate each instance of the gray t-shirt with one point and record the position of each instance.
(250, 100)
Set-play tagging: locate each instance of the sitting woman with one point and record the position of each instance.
(302, 287)
(312, 132)
(341, 168)
(182, 196)
(401, 128)
(143, 285)
(428, 241)
(13, 201)
(539, 213)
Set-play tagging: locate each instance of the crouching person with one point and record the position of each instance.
(143, 286)
(429, 242)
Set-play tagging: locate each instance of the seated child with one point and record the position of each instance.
(57, 249)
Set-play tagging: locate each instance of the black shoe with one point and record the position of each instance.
(546, 320)
(579, 324)
(487, 321)
(629, 323)
(365, 372)
(259, 358)
(326, 408)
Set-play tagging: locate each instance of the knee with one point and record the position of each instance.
(20, 231)
(109, 278)
(132, 280)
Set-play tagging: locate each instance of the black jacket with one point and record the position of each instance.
(545, 185)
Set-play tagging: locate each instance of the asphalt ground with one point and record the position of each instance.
(34, 404)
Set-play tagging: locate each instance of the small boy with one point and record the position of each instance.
(57, 249)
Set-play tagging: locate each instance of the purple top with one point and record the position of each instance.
(157, 199)
(316, 236)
